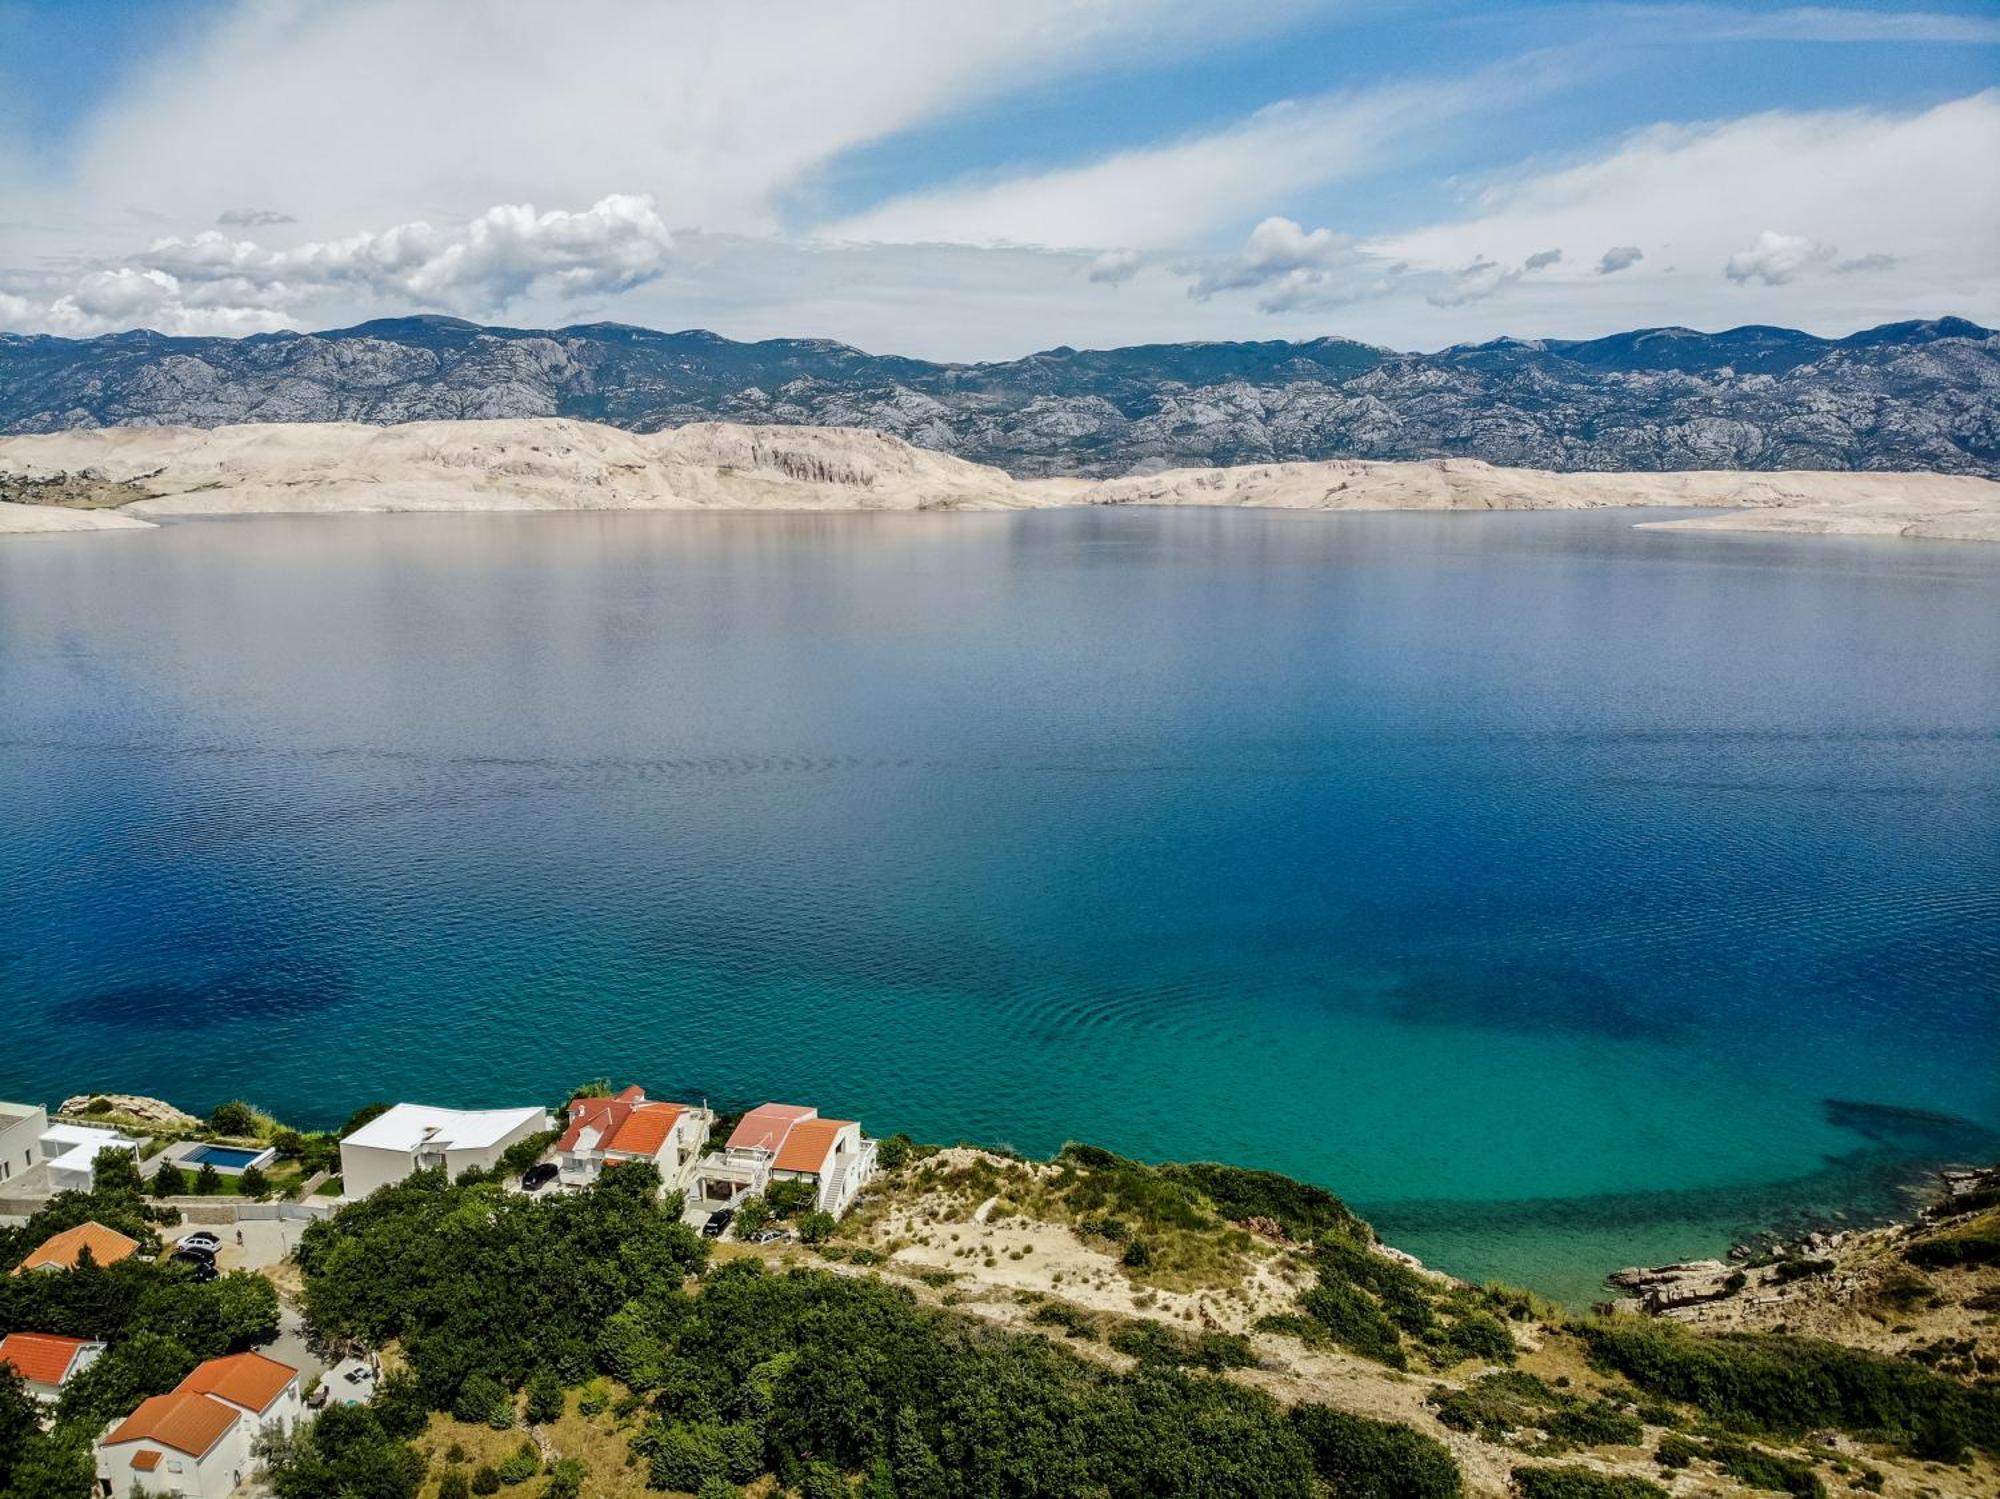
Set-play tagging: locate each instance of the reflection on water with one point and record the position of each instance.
(1528, 878)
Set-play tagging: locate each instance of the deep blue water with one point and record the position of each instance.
(1554, 890)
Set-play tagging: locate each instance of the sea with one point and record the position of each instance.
(1562, 893)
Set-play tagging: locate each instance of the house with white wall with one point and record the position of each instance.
(22, 1126)
(631, 1127)
(199, 1439)
(787, 1142)
(71, 1151)
(415, 1137)
(46, 1361)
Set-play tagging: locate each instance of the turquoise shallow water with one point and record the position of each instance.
(1552, 889)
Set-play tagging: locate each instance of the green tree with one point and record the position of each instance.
(479, 1400)
(234, 1118)
(790, 1197)
(452, 1485)
(816, 1227)
(207, 1181)
(752, 1213)
(169, 1181)
(486, 1479)
(254, 1184)
(919, 1474)
(115, 1173)
(20, 1419)
(545, 1397)
(565, 1479)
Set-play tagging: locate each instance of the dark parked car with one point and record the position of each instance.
(718, 1223)
(202, 1265)
(537, 1177)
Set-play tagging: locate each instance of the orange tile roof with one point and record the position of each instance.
(60, 1252)
(145, 1462)
(186, 1421)
(809, 1144)
(645, 1129)
(40, 1357)
(628, 1123)
(765, 1127)
(246, 1379)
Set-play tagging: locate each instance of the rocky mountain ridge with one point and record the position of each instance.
(1905, 396)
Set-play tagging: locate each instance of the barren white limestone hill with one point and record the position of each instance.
(105, 477)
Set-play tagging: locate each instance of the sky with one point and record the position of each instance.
(979, 181)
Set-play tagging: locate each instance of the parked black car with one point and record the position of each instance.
(718, 1223)
(201, 1264)
(537, 1177)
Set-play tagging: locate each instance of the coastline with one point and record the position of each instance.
(125, 477)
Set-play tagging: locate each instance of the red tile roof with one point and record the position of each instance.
(145, 1462)
(809, 1144)
(628, 1123)
(60, 1252)
(246, 1379)
(40, 1357)
(186, 1421)
(765, 1127)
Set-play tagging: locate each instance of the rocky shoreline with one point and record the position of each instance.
(1764, 1275)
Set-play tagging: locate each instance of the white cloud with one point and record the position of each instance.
(1812, 23)
(371, 112)
(1115, 267)
(1541, 260)
(1693, 196)
(212, 282)
(1777, 258)
(1619, 258)
(1163, 196)
(252, 218)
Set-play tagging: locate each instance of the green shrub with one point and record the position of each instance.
(1765, 1382)
(1977, 1243)
(1074, 1321)
(1755, 1468)
(252, 1183)
(518, 1466)
(1676, 1451)
(234, 1118)
(486, 1480)
(207, 1181)
(752, 1213)
(452, 1484)
(527, 1151)
(1354, 1322)
(1581, 1483)
(891, 1153)
(545, 1397)
(1360, 1458)
(1138, 1255)
(565, 1479)
(816, 1227)
(822, 1481)
(480, 1400)
(789, 1198)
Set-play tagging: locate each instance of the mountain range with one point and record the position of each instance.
(1904, 396)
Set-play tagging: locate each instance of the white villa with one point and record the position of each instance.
(71, 1151)
(631, 1127)
(196, 1441)
(22, 1126)
(47, 1362)
(788, 1142)
(415, 1137)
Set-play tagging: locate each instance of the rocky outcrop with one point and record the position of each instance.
(1905, 397)
(135, 1107)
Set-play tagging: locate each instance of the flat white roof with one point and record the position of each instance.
(84, 1134)
(408, 1125)
(19, 1110)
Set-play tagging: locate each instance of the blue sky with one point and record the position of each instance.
(972, 183)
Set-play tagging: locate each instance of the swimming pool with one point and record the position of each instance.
(229, 1158)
